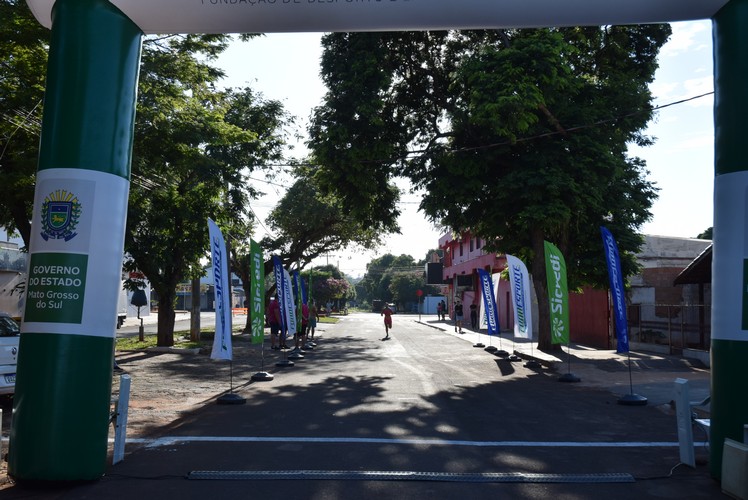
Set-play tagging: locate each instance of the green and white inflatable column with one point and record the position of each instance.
(64, 379)
(729, 348)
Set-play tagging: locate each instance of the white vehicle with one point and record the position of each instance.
(9, 337)
(121, 306)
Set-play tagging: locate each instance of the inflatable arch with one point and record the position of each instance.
(61, 410)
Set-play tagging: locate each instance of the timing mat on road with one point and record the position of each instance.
(342, 475)
(172, 440)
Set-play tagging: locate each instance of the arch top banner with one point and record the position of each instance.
(268, 16)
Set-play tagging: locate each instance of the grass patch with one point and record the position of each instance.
(328, 319)
(134, 344)
(181, 340)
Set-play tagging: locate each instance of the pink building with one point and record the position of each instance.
(589, 315)
(462, 259)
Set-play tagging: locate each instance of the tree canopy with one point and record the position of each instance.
(354, 127)
(519, 136)
(194, 147)
(307, 223)
(23, 63)
(707, 234)
(394, 279)
(330, 289)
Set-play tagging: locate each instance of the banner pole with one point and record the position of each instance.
(296, 352)
(568, 376)
(280, 284)
(631, 380)
(257, 305)
(222, 341)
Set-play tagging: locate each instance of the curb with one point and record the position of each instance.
(548, 363)
(173, 350)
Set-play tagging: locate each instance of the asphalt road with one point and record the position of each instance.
(421, 415)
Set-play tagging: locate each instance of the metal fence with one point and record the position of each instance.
(677, 326)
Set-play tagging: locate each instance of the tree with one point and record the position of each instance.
(404, 286)
(267, 118)
(350, 132)
(331, 289)
(523, 135)
(393, 279)
(193, 149)
(327, 284)
(706, 235)
(329, 270)
(23, 60)
(308, 224)
(376, 281)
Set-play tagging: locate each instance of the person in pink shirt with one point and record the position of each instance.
(273, 314)
(387, 313)
(313, 319)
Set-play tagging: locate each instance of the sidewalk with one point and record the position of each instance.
(647, 374)
(152, 318)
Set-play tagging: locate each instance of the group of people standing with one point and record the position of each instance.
(278, 335)
(441, 311)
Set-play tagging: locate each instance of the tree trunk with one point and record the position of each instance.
(21, 220)
(242, 267)
(195, 311)
(247, 300)
(544, 317)
(166, 315)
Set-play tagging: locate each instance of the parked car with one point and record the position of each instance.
(9, 337)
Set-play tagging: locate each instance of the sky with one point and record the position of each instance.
(285, 67)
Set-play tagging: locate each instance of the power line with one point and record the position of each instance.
(269, 182)
(565, 131)
(268, 231)
(34, 126)
(285, 186)
(424, 152)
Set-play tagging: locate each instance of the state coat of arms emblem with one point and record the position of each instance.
(60, 213)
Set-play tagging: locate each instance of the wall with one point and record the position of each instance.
(588, 318)
(656, 303)
(429, 303)
(662, 258)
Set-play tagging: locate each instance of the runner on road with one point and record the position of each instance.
(387, 313)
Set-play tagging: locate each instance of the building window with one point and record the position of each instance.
(477, 243)
(471, 244)
(461, 245)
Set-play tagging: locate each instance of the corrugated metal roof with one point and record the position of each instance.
(698, 271)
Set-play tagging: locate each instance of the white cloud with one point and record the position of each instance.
(683, 38)
(664, 91)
